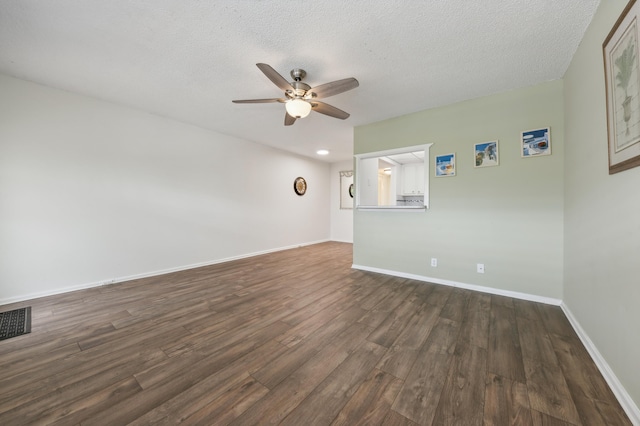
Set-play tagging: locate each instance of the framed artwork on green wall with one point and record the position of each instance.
(485, 154)
(446, 165)
(535, 143)
(622, 83)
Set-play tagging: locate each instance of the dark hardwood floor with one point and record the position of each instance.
(297, 338)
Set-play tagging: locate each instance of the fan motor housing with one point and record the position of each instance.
(300, 89)
(298, 74)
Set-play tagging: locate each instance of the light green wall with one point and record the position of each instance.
(509, 217)
(602, 215)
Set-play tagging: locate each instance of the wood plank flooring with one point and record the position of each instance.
(297, 338)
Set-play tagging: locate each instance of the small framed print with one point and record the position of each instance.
(485, 154)
(300, 186)
(445, 165)
(535, 143)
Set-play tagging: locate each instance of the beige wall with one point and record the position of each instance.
(509, 217)
(602, 215)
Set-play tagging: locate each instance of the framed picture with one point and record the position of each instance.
(300, 186)
(622, 83)
(346, 189)
(535, 143)
(445, 165)
(485, 154)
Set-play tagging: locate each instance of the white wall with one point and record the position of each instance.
(602, 216)
(91, 191)
(341, 219)
(509, 217)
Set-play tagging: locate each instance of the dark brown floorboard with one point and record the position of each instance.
(298, 338)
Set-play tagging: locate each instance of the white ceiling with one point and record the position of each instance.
(188, 59)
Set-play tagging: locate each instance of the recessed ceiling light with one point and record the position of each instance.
(322, 152)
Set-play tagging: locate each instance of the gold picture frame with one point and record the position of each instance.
(621, 53)
(300, 186)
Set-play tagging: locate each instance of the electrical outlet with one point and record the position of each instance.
(434, 262)
(481, 268)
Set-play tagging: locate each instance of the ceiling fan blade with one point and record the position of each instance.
(257, 101)
(276, 78)
(288, 119)
(329, 110)
(335, 87)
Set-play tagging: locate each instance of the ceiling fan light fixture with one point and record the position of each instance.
(298, 108)
(300, 98)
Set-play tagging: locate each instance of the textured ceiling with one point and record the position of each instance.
(188, 59)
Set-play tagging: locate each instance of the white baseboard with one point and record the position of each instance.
(29, 296)
(474, 287)
(52, 292)
(627, 403)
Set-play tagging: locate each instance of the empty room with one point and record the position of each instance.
(319, 213)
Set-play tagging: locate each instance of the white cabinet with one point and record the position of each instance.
(416, 184)
(413, 179)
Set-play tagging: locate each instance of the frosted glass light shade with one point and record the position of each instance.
(298, 108)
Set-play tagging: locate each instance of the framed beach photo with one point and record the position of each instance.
(535, 143)
(445, 165)
(622, 83)
(485, 154)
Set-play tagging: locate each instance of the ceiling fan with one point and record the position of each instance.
(300, 98)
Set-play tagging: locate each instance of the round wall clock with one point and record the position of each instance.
(300, 186)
